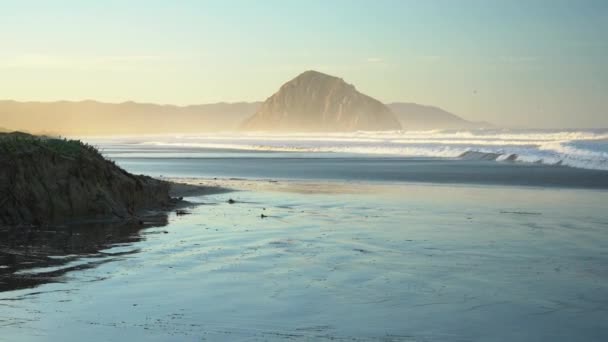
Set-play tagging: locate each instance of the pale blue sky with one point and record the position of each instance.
(524, 63)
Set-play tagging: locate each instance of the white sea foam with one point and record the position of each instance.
(576, 148)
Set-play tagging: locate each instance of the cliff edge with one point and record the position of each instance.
(47, 180)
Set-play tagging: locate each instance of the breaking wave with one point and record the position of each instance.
(576, 148)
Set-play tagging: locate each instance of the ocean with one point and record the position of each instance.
(425, 236)
(575, 159)
(586, 149)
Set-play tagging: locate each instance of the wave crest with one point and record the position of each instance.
(576, 148)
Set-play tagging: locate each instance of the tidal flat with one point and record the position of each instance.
(283, 260)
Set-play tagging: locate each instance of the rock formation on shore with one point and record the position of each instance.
(47, 180)
(317, 102)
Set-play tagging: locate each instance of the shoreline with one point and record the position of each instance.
(340, 186)
(362, 169)
(415, 251)
(187, 190)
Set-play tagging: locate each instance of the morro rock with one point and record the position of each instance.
(316, 102)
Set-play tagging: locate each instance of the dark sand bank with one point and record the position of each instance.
(48, 181)
(51, 181)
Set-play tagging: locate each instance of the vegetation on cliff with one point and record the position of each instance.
(46, 180)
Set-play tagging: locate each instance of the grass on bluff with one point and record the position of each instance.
(22, 143)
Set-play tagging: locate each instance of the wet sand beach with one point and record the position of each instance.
(400, 262)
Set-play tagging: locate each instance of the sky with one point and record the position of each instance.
(516, 63)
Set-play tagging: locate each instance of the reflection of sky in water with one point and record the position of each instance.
(429, 263)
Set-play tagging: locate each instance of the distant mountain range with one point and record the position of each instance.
(418, 117)
(312, 101)
(98, 118)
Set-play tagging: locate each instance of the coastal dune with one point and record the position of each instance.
(48, 180)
